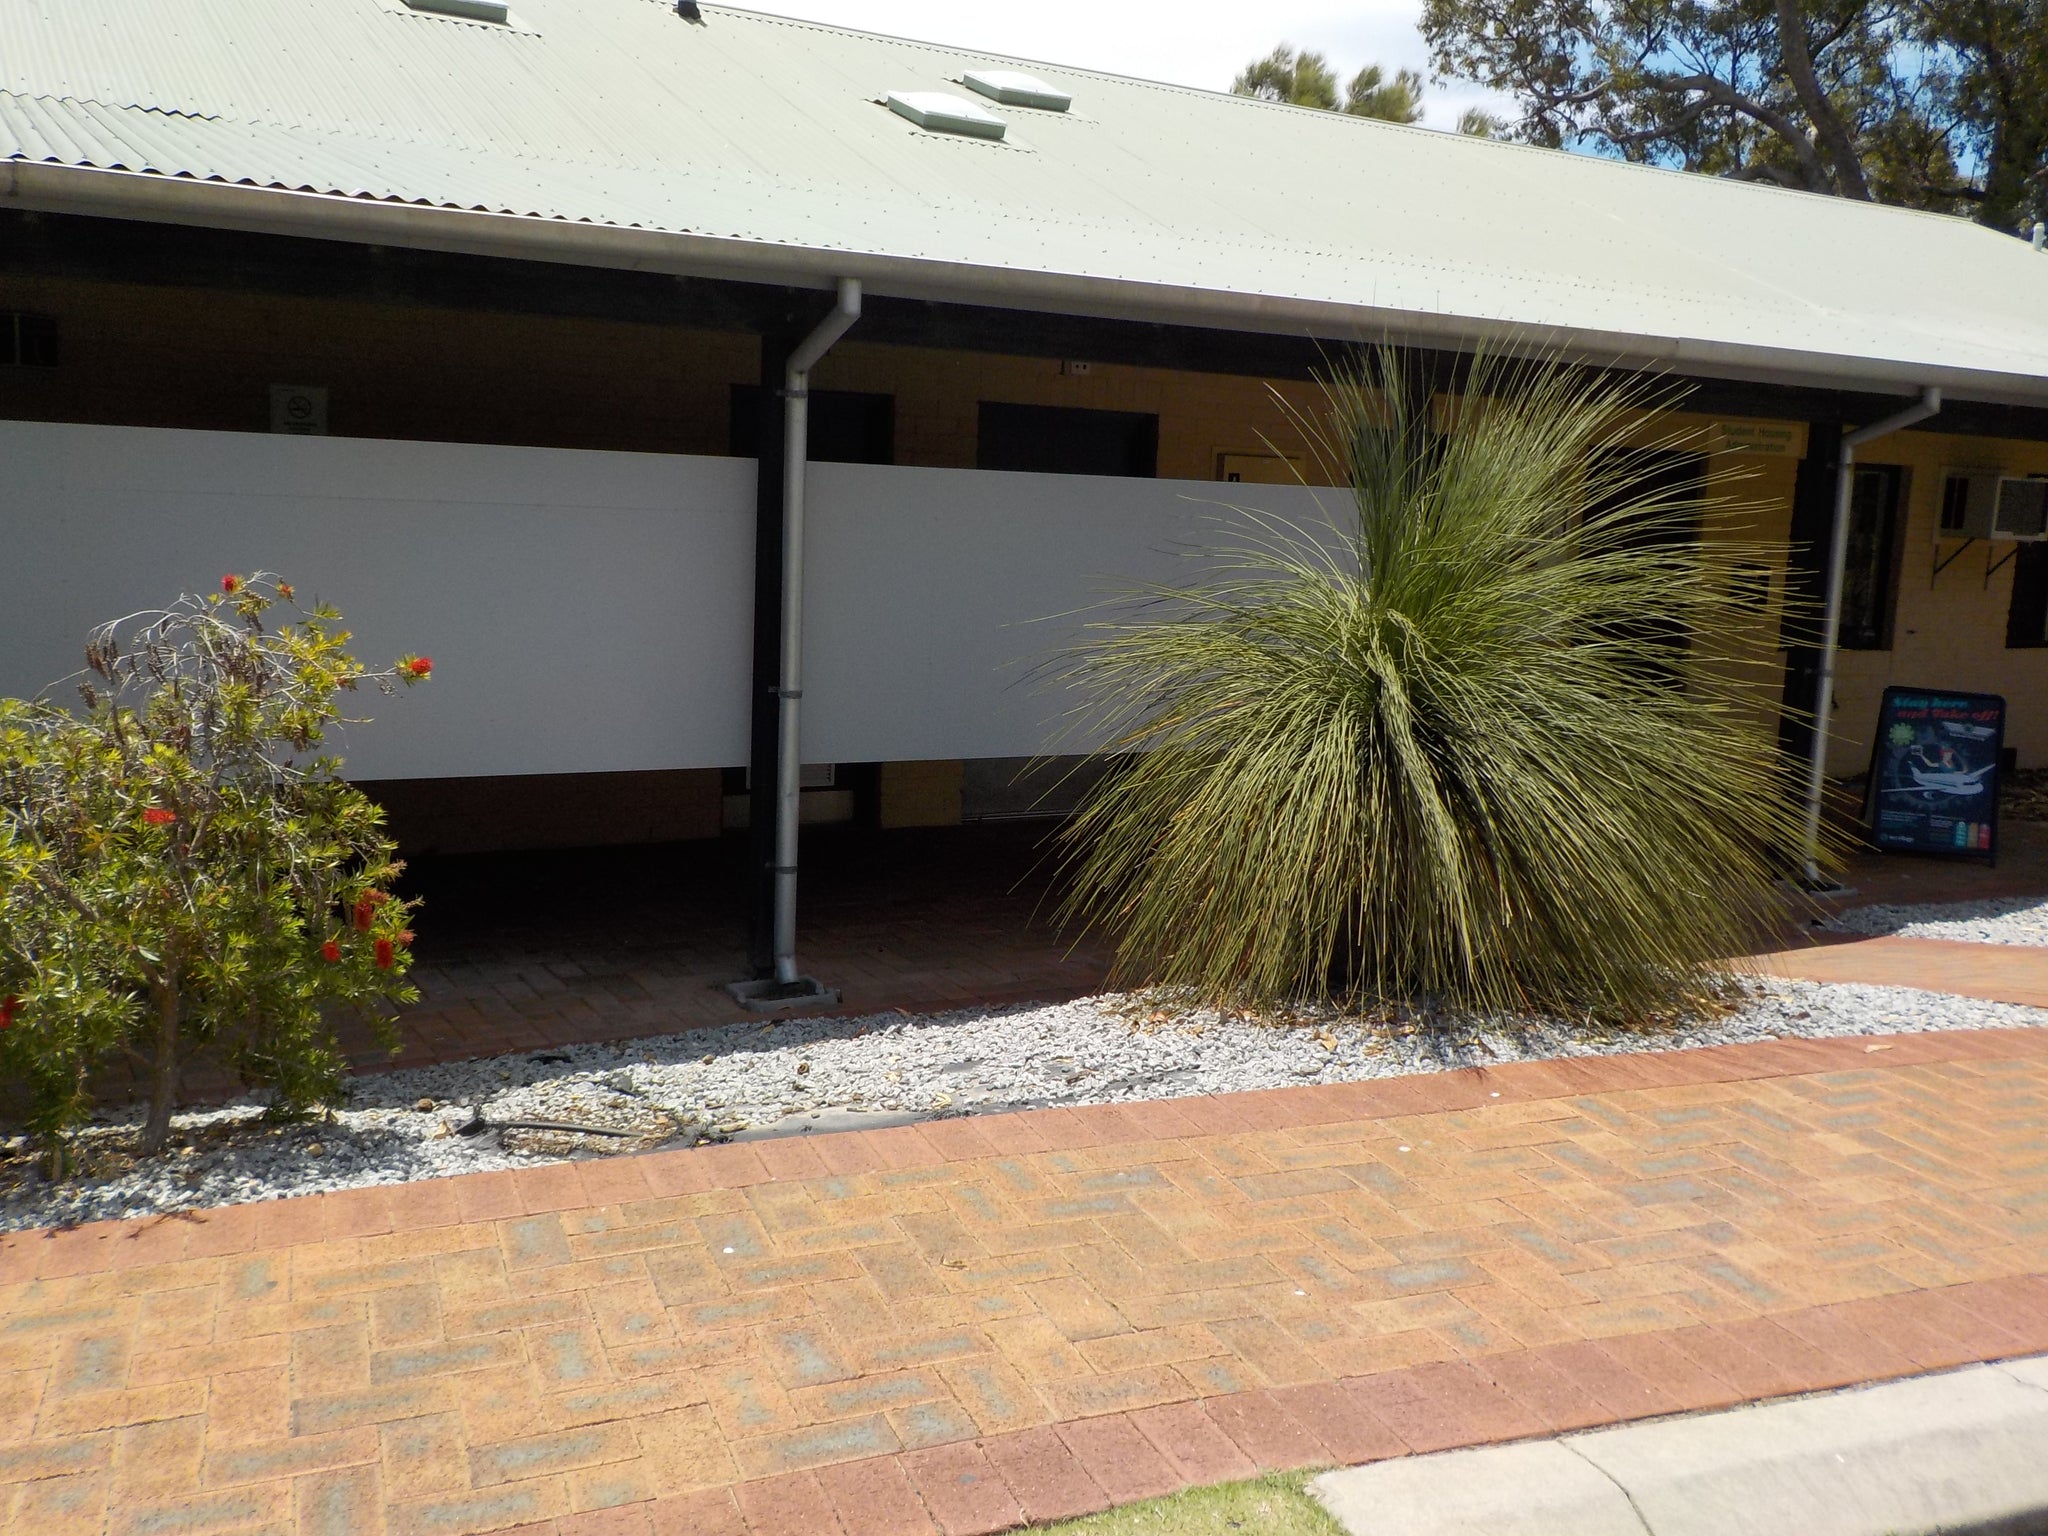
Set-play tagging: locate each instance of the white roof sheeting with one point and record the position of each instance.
(756, 146)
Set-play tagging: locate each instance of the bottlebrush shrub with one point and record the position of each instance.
(183, 871)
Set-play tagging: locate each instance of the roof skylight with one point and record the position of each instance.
(469, 10)
(943, 113)
(1015, 89)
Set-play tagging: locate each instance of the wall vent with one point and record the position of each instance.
(498, 11)
(1014, 89)
(942, 113)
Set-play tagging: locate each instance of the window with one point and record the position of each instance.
(1062, 440)
(2026, 622)
(28, 341)
(846, 427)
(1870, 575)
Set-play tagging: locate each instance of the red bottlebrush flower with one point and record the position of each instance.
(284, 590)
(420, 666)
(364, 913)
(330, 952)
(405, 939)
(7, 1007)
(384, 954)
(231, 584)
(157, 816)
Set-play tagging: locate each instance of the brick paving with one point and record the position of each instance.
(956, 1327)
(2001, 973)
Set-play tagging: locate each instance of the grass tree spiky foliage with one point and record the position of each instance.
(1462, 751)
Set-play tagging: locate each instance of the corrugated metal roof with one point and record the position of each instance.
(770, 134)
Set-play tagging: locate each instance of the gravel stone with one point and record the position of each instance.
(747, 1081)
(2007, 920)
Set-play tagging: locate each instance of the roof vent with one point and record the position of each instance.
(469, 10)
(1016, 90)
(946, 114)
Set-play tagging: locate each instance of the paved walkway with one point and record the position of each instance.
(958, 1326)
(2000, 973)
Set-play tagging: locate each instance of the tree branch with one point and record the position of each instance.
(1719, 90)
(1827, 123)
(1776, 175)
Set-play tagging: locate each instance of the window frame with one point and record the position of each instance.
(1881, 632)
(2026, 614)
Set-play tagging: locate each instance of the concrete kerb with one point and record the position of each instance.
(1959, 1452)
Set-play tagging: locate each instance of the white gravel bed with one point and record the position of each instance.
(750, 1080)
(2007, 920)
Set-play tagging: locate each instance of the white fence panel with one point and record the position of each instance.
(934, 597)
(585, 611)
(592, 612)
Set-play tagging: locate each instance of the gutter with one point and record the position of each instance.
(151, 197)
(1831, 624)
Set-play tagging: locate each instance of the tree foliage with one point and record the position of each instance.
(1304, 78)
(181, 871)
(1934, 104)
(1483, 750)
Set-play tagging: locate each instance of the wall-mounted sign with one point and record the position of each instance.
(300, 409)
(1934, 772)
(1779, 439)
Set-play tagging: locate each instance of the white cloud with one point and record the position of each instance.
(1197, 42)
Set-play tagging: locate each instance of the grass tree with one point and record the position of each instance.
(181, 870)
(1480, 746)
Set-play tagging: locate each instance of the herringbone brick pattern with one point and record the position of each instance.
(955, 1327)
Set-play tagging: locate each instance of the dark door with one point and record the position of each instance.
(1061, 440)
(847, 427)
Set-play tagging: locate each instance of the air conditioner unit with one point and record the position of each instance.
(1969, 503)
(2022, 509)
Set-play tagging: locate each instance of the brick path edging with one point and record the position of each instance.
(1056, 1472)
(56, 1252)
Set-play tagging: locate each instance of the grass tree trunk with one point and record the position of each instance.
(163, 1079)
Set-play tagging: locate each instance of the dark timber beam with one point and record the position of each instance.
(764, 735)
(1806, 577)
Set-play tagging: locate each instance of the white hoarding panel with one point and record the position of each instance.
(935, 597)
(585, 611)
(592, 612)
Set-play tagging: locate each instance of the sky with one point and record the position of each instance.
(1187, 42)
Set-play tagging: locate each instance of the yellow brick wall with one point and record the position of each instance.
(1950, 631)
(938, 394)
(183, 357)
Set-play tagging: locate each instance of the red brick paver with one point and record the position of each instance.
(2001, 973)
(913, 1331)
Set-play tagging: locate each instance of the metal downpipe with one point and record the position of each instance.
(1831, 624)
(789, 691)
